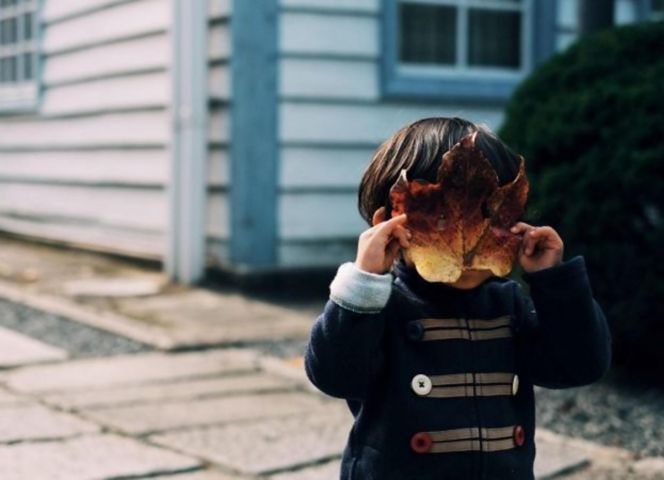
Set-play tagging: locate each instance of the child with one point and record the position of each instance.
(439, 377)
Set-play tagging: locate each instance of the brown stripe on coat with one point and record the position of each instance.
(502, 321)
(468, 439)
(469, 378)
(461, 334)
(470, 391)
(472, 446)
(470, 433)
(477, 324)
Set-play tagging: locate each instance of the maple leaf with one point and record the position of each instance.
(462, 221)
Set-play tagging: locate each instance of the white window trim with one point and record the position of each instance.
(23, 95)
(462, 70)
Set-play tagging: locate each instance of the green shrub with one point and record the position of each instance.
(590, 123)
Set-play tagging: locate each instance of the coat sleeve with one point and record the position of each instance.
(563, 339)
(344, 352)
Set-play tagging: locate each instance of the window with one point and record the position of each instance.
(469, 49)
(657, 10)
(18, 54)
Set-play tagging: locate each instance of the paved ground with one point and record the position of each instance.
(138, 303)
(216, 414)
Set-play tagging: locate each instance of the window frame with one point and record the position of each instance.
(24, 96)
(471, 85)
(654, 15)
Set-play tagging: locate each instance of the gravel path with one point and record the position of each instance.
(612, 412)
(78, 339)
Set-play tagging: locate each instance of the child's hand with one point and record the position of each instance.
(542, 247)
(379, 245)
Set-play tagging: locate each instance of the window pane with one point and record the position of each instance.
(494, 38)
(428, 34)
(657, 9)
(8, 69)
(27, 66)
(27, 26)
(8, 31)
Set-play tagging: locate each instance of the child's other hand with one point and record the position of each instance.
(378, 246)
(541, 248)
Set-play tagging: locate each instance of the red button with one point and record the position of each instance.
(519, 435)
(421, 442)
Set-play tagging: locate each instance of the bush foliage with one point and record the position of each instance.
(590, 123)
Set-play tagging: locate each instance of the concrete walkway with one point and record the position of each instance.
(216, 414)
(138, 302)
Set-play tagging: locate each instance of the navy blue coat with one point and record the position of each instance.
(440, 380)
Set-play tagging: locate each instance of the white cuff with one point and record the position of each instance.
(360, 291)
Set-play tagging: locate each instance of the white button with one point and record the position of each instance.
(421, 384)
(515, 384)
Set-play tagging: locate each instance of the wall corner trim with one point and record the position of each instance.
(254, 146)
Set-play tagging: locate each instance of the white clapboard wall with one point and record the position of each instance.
(91, 166)
(331, 119)
(219, 51)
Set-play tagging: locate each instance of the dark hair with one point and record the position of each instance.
(419, 148)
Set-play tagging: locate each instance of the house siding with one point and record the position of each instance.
(331, 119)
(90, 167)
(219, 92)
(332, 116)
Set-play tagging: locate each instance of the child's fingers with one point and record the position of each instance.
(520, 227)
(391, 251)
(402, 235)
(530, 242)
(544, 237)
(386, 228)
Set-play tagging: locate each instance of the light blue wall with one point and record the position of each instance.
(254, 149)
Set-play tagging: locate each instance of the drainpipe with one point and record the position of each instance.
(185, 252)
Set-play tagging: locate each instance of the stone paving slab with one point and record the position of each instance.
(202, 475)
(142, 419)
(17, 349)
(113, 287)
(36, 422)
(8, 399)
(558, 455)
(165, 392)
(201, 317)
(327, 471)
(261, 447)
(174, 317)
(87, 458)
(554, 459)
(652, 467)
(128, 369)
